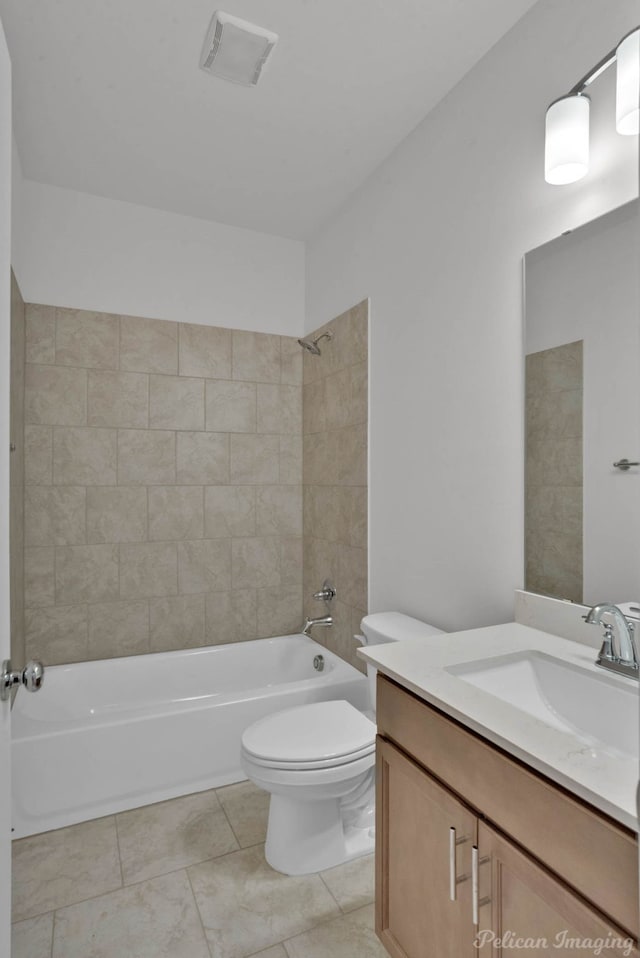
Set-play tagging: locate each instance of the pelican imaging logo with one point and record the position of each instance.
(561, 941)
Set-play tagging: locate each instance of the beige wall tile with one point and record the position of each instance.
(290, 459)
(148, 345)
(55, 516)
(176, 623)
(148, 569)
(279, 409)
(205, 351)
(255, 459)
(176, 403)
(291, 557)
(40, 334)
(146, 457)
(231, 616)
(84, 456)
(279, 612)
(291, 360)
(38, 455)
(32, 938)
(86, 574)
(118, 628)
(314, 407)
(229, 511)
(118, 399)
(351, 456)
(231, 406)
(255, 563)
(357, 515)
(85, 338)
(352, 575)
(279, 511)
(55, 396)
(116, 514)
(256, 357)
(39, 577)
(57, 635)
(176, 512)
(202, 458)
(204, 566)
(317, 465)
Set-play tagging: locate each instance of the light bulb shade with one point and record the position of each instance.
(628, 85)
(566, 149)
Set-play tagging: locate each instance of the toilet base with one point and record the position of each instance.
(307, 837)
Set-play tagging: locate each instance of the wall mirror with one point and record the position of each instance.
(582, 412)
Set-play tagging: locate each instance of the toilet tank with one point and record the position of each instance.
(381, 627)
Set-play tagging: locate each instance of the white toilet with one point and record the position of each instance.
(318, 763)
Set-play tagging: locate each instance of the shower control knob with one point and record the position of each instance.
(31, 676)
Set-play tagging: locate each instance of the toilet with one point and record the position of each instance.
(318, 763)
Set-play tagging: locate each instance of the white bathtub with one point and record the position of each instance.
(102, 737)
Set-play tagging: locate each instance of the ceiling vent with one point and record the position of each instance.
(236, 50)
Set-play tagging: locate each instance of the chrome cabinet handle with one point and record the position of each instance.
(454, 881)
(476, 901)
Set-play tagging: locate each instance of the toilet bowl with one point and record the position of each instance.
(317, 761)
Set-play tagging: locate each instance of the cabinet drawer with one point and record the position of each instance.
(589, 852)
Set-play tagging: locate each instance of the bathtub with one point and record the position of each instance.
(103, 737)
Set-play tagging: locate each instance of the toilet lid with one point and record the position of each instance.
(323, 732)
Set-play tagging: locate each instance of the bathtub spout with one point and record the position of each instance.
(324, 622)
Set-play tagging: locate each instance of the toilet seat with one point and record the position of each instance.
(315, 736)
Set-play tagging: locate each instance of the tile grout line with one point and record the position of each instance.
(115, 825)
(198, 913)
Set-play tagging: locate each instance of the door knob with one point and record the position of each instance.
(31, 676)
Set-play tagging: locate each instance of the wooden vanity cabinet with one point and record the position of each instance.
(550, 867)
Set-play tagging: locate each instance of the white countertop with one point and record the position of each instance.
(601, 778)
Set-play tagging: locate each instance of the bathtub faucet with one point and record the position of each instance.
(323, 622)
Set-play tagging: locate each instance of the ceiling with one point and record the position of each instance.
(109, 99)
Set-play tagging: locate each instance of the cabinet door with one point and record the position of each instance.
(525, 910)
(415, 874)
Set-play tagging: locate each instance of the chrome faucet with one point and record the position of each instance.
(618, 652)
(324, 622)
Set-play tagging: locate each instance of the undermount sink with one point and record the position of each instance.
(599, 709)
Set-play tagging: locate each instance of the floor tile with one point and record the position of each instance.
(352, 884)
(276, 952)
(154, 919)
(351, 936)
(246, 906)
(247, 808)
(66, 866)
(32, 938)
(161, 838)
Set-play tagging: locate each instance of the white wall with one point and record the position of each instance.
(436, 238)
(73, 249)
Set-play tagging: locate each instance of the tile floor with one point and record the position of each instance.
(183, 879)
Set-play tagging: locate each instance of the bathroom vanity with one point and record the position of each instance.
(494, 825)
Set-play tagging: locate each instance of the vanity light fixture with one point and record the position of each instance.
(566, 154)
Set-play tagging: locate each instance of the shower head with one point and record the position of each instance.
(312, 346)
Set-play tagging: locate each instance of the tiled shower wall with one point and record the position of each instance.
(335, 477)
(163, 497)
(553, 500)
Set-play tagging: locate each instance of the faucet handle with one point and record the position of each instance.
(606, 652)
(326, 593)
